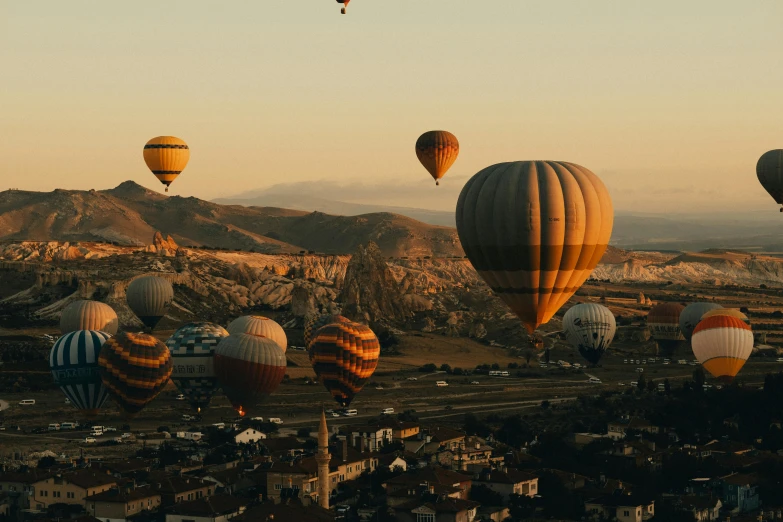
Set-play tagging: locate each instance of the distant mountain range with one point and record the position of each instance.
(752, 230)
(130, 214)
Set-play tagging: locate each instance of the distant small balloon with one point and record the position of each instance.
(88, 315)
(437, 151)
(166, 157)
(769, 170)
(150, 298)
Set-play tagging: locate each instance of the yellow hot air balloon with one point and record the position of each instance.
(534, 230)
(166, 157)
(437, 151)
(722, 344)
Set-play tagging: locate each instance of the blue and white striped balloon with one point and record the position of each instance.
(74, 364)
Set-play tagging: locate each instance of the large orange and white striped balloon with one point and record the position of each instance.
(722, 344)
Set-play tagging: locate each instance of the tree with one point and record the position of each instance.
(529, 355)
(667, 387)
(642, 382)
(445, 368)
(485, 496)
(698, 378)
(546, 355)
(428, 368)
(303, 432)
(475, 426)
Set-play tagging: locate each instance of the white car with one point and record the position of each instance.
(109, 428)
(474, 382)
(334, 414)
(90, 440)
(594, 380)
(412, 379)
(620, 384)
(180, 397)
(126, 435)
(379, 387)
(542, 365)
(779, 359)
(639, 370)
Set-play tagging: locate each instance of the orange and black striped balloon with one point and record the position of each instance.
(166, 157)
(134, 368)
(437, 151)
(344, 357)
(317, 321)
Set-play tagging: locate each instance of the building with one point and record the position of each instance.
(623, 508)
(740, 492)
(404, 430)
(19, 487)
(70, 488)
(457, 484)
(293, 510)
(440, 509)
(217, 508)
(704, 509)
(473, 452)
(117, 504)
(248, 435)
(392, 461)
(509, 482)
(446, 438)
(617, 429)
(323, 458)
(174, 489)
(370, 438)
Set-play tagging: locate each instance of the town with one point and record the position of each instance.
(639, 454)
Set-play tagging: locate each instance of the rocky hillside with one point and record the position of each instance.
(130, 214)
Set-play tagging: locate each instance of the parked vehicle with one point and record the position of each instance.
(640, 370)
(277, 420)
(351, 413)
(441, 383)
(388, 411)
(594, 380)
(412, 379)
(68, 425)
(54, 427)
(126, 435)
(90, 440)
(27, 402)
(180, 397)
(474, 382)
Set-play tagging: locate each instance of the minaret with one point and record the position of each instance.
(323, 458)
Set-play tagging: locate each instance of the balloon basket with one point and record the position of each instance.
(342, 11)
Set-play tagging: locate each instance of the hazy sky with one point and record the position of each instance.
(671, 102)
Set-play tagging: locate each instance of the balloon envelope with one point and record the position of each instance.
(89, 315)
(437, 151)
(74, 364)
(150, 298)
(248, 368)
(318, 321)
(663, 321)
(166, 157)
(534, 230)
(691, 315)
(729, 312)
(590, 328)
(192, 350)
(769, 170)
(344, 357)
(260, 326)
(722, 344)
(135, 368)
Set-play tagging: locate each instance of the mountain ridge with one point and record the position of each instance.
(130, 215)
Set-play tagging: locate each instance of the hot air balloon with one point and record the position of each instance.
(728, 312)
(193, 350)
(261, 326)
(345, 4)
(437, 151)
(314, 322)
(88, 315)
(166, 157)
(663, 321)
(74, 364)
(722, 344)
(590, 328)
(135, 368)
(534, 230)
(248, 368)
(769, 170)
(150, 297)
(344, 357)
(691, 315)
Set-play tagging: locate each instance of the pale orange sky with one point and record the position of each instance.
(671, 102)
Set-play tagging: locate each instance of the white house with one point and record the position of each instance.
(190, 435)
(248, 435)
(370, 438)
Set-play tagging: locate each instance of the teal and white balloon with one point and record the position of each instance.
(691, 316)
(192, 350)
(74, 364)
(590, 328)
